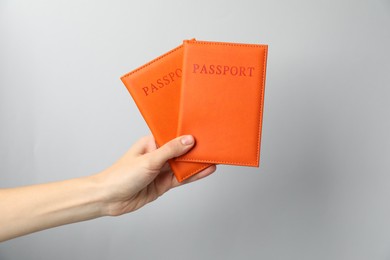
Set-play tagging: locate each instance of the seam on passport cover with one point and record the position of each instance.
(228, 44)
(217, 162)
(194, 172)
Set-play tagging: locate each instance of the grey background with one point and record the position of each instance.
(323, 188)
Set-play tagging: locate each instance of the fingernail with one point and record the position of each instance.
(187, 140)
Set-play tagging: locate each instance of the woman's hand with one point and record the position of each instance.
(143, 174)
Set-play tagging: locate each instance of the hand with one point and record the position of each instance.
(143, 174)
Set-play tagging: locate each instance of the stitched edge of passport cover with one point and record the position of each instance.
(260, 118)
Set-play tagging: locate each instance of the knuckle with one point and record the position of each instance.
(172, 149)
(149, 163)
(169, 149)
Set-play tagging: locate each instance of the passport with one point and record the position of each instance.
(222, 100)
(155, 88)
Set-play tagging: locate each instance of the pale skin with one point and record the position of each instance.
(140, 176)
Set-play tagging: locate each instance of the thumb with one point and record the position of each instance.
(172, 149)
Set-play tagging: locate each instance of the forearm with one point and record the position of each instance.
(28, 209)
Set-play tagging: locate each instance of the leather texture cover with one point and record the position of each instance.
(155, 88)
(222, 101)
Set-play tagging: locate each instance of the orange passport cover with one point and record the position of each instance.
(222, 101)
(155, 88)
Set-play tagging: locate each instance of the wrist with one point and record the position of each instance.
(98, 195)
